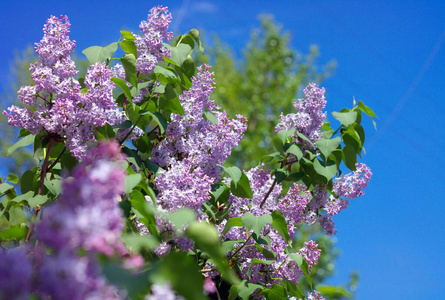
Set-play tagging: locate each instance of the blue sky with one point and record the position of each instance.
(390, 54)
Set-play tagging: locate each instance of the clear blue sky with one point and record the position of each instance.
(390, 54)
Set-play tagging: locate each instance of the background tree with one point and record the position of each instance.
(266, 82)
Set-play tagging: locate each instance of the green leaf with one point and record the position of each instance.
(23, 197)
(280, 225)
(54, 186)
(206, 236)
(284, 134)
(145, 211)
(276, 292)
(159, 119)
(167, 73)
(305, 268)
(4, 187)
(220, 192)
(15, 232)
(27, 181)
(296, 258)
(210, 117)
(123, 85)
(181, 217)
(326, 146)
(12, 178)
(232, 222)
(37, 200)
(239, 185)
(183, 274)
(26, 141)
(293, 149)
(281, 174)
(294, 290)
(368, 112)
(228, 245)
(334, 291)
(131, 181)
(135, 283)
(137, 242)
(129, 63)
(129, 47)
(127, 35)
(96, 54)
(326, 169)
(179, 53)
(195, 35)
(305, 138)
(265, 252)
(244, 289)
(256, 224)
(349, 157)
(345, 118)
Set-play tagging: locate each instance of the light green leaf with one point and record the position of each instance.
(129, 47)
(167, 73)
(96, 54)
(345, 118)
(326, 169)
(250, 222)
(131, 181)
(127, 35)
(326, 146)
(4, 187)
(37, 200)
(293, 149)
(27, 140)
(129, 63)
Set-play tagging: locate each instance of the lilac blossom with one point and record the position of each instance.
(292, 206)
(65, 276)
(88, 214)
(56, 104)
(309, 117)
(149, 46)
(352, 185)
(163, 292)
(196, 138)
(15, 274)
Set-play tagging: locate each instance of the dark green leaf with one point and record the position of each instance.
(232, 222)
(220, 192)
(195, 34)
(157, 117)
(123, 85)
(136, 284)
(349, 157)
(145, 211)
(280, 225)
(27, 182)
(281, 174)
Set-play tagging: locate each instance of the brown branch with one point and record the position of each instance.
(42, 181)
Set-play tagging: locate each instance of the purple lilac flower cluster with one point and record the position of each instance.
(194, 146)
(347, 187)
(56, 103)
(309, 117)
(87, 216)
(292, 205)
(149, 46)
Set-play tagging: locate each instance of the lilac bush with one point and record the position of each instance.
(144, 205)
